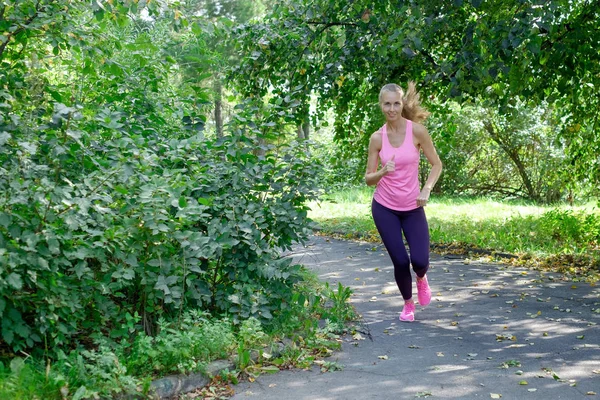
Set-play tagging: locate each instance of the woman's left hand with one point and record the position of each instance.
(423, 197)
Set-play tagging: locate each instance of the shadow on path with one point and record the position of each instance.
(489, 329)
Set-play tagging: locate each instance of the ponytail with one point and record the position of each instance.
(411, 101)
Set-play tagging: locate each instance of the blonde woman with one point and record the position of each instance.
(398, 201)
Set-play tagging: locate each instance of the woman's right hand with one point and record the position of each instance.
(389, 167)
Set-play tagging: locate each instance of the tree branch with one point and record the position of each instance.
(587, 16)
(514, 156)
(21, 29)
(332, 23)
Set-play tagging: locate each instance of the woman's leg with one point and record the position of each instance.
(389, 225)
(416, 231)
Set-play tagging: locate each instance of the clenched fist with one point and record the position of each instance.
(390, 166)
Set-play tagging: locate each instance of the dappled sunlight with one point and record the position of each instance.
(490, 329)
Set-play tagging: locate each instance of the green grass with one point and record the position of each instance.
(520, 228)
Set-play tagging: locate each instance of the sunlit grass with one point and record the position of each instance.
(515, 227)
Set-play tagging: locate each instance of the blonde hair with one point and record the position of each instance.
(411, 101)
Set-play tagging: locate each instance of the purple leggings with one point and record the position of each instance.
(391, 224)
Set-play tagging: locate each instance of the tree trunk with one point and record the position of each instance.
(304, 128)
(218, 88)
(514, 156)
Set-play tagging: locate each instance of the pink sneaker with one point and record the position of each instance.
(408, 312)
(423, 291)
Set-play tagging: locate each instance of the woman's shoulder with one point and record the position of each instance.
(377, 135)
(376, 139)
(419, 130)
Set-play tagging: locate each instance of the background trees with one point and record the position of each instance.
(500, 55)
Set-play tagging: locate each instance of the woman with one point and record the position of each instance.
(398, 201)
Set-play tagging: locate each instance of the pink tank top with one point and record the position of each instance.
(399, 190)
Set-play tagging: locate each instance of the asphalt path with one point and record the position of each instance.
(491, 331)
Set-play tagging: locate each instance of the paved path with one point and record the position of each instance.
(482, 317)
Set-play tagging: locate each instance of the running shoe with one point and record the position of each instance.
(408, 312)
(424, 292)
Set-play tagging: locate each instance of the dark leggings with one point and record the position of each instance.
(391, 224)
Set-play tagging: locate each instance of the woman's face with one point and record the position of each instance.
(391, 105)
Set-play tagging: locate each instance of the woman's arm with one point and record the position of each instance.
(372, 176)
(425, 142)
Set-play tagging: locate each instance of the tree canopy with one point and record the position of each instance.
(496, 53)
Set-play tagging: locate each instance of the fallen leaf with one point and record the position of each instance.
(358, 336)
(590, 393)
(580, 337)
(272, 385)
(495, 395)
(423, 394)
(556, 377)
(440, 354)
(383, 357)
(412, 346)
(523, 383)
(532, 390)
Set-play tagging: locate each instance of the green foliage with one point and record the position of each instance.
(124, 368)
(514, 156)
(542, 233)
(178, 348)
(572, 229)
(187, 346)
(20, 380)
(341, 311)
(496, 54)
(116, 214)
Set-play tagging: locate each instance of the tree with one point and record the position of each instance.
(473, 51)
(221, 15)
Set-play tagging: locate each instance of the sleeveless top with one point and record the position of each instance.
(399, 190)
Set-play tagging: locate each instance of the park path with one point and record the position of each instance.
(491, 330)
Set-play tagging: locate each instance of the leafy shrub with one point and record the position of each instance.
(179, 348)
(577, 229)
(21, 380)
(163, 224)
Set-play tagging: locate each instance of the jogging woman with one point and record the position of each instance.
(398, 201)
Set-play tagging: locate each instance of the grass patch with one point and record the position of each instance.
(558, 237)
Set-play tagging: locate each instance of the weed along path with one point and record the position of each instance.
(491, 331)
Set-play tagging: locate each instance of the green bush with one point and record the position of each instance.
(187, 223)
(115, 212)
(572, 228)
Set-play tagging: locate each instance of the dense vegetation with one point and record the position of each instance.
(154, 160)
